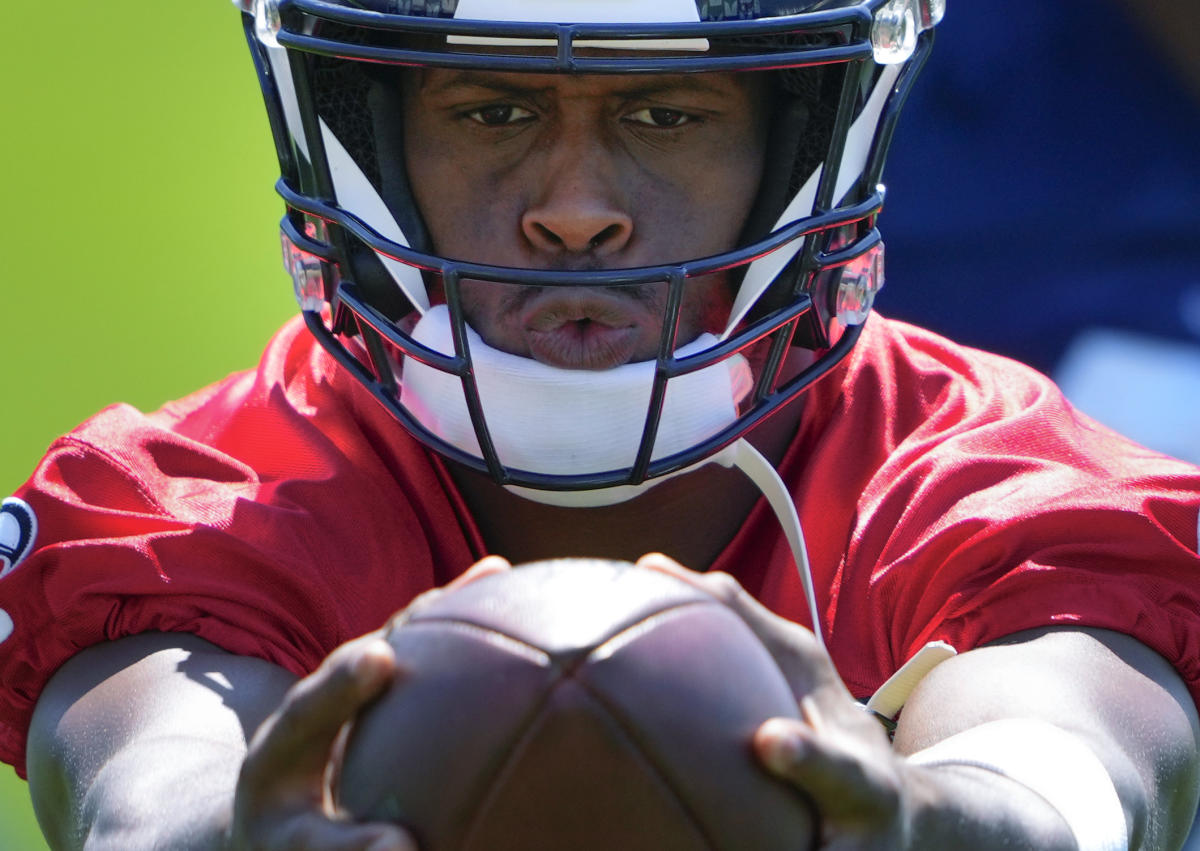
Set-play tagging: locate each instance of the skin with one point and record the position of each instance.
(552, 172)
(578, 173)
(118, 708)
(167, 741)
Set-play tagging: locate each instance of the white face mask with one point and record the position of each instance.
(545, 419)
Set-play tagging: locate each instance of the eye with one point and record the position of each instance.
(499, 115)
(660, 116)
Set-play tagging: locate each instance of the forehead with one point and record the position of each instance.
(716, 86)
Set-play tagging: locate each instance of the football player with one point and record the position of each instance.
(596, 278)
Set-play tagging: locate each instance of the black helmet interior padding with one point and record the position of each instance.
(798, 139)
(386, 99)
(362, 105)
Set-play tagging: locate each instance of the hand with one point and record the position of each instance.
(283, 800)
(836, 754)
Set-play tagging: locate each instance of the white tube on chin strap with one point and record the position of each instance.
(1056, 764)
(759, 470)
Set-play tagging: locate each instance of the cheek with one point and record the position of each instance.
(459, 213)
(706, 306)
(493, 311)
(698, 207)
(729, 194)
(463, 203)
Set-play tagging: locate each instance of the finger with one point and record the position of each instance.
(804, 664)
(486, 566)
(666, 564)
(314, 832)
(295, 742)
(850, 786)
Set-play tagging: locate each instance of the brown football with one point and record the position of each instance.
(576, 704)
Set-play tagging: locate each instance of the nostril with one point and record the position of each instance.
(604, 236)
(576, 231)
(548, 235)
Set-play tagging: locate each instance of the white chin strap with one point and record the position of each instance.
(543, 419)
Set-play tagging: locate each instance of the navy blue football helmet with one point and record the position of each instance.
(806, 268)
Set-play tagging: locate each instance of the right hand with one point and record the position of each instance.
(282, 800)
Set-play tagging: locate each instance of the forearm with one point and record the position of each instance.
(139, 743)
(172, 793)
(1092, 723)
(963, 807)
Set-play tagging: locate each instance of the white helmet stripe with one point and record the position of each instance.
(583, 12)
(762, 271)
(861, 137)
(859, 142)
(282, 71)
(580, 11)
(355, 192)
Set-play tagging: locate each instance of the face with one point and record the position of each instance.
(581, 173)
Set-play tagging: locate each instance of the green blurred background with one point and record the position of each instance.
(138, 250)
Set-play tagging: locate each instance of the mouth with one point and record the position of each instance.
(584, 329)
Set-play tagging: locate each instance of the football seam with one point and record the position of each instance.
(522, 731)
(599, 651)
(629, 730)
(510, 643)
(585, 652)
(520, 741)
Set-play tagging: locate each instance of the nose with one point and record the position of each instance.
(578, 206)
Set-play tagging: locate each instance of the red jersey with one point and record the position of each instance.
(946, 494)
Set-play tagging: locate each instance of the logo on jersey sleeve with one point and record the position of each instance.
(18, 529)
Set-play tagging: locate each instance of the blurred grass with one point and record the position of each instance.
(138, 248)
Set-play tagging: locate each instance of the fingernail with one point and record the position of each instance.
(492, 562)
(392, 843)
(374, 661)
(487, 566)
(810, 713)
(779, 745)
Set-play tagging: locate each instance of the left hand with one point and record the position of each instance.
(836, 754)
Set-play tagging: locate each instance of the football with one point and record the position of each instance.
(575, 704)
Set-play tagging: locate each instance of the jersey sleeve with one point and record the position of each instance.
(997, 507)
(256, 515)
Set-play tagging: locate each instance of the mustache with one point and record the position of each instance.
(521, 295)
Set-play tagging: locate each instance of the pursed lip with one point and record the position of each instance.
(583, 328)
